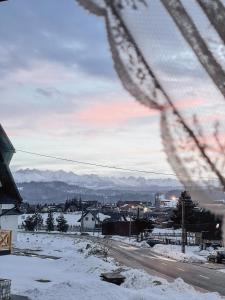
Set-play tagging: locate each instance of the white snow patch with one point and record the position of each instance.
(72, 218)
(192, 255)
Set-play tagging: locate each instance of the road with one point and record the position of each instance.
(202, 276)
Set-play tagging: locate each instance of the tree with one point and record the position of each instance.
(189, 208)
(207, 221)
(142, 225)
(62, 224)
(194, 145)
(38, 220)
(29, 223)
(50, 222)
(196, 219)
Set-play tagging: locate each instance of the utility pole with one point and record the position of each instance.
(99, 222)
(82, 219)
(182, 198)
(129, 224)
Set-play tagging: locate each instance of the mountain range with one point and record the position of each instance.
(93, 181)
(37, 186)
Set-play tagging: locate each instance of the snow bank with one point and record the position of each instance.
(146, 287)
(139, 279)
(131, 241)
(192, 255)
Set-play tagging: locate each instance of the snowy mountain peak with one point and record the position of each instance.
(92, 180)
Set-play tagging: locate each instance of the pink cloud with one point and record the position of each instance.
(189, 103)
(120, 112)
(114, 113)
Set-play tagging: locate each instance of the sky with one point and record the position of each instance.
(61, 96)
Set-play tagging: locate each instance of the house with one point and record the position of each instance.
(10, 198)
(92, 219)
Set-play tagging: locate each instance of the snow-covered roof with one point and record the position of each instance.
(102, 217)
(98, 216)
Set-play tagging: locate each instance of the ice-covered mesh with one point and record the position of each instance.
(169, 54)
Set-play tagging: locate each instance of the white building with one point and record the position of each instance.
(10, 198)
(9, 221)
(92, 219)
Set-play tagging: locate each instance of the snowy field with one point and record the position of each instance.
(76, 274)
(72, 218)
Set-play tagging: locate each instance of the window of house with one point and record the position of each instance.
(93, 219)
(86, 219)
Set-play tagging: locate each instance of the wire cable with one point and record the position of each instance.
(102, 165)
(95, 164)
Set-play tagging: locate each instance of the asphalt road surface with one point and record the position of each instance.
(203, 276)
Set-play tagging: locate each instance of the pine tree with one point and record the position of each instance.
(62, 224)
(29, 223)
(196, 219)
(50, 222)
(189, 211)
(38, 220)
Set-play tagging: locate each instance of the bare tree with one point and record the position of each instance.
(215, 12)
(193, 157)
(195, 40)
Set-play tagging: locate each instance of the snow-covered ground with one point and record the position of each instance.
(131, 241)
(76, 274)
(192, 253)
(72, 218)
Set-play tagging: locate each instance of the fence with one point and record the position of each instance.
(175, 237)
(5, 289)
(5, 242)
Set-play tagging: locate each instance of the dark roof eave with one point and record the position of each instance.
(13, 212)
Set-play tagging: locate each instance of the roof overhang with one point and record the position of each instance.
(6, 148)
(9, 193)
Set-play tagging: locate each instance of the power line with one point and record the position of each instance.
(102, 165)
(94, 164)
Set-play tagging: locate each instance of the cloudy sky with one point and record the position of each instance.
(61, 96)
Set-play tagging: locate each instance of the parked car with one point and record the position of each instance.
(215, 246)
(153, 242)
(217, 256)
